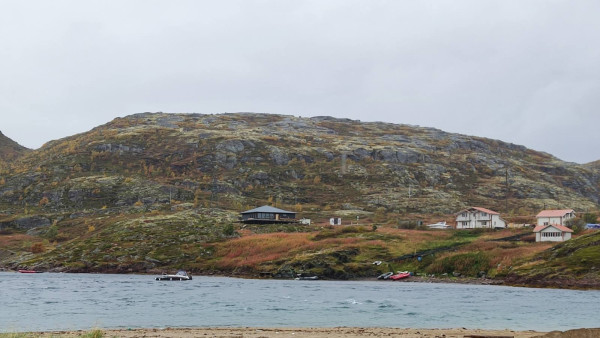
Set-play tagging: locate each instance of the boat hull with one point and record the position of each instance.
(307, 278)
(180, 275)
(400, 276)
(173, 278)
(386, 275)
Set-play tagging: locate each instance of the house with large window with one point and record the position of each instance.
(552, 233)
(477, 217)
(556, 217)
(268, 214)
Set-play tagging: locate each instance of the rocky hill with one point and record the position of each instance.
(245, 159)
(157, 190)
(593, 165)
(9, 149)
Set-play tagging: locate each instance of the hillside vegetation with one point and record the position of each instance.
(158, 191)
(9, 151)
(574, 263)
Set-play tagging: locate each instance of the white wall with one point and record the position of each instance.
(555, 220)
(564, 236)
(549, 221)
(475, 219)
(497, 222)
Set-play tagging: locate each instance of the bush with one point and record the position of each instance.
(467, 264)
(228, 230)
(38, 248)
(590, 218)
(469, 233)
(52, 232)
(576, 224)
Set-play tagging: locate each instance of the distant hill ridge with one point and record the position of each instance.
(243, 159)
(9, 149)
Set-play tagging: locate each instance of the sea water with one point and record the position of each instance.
(60, 301)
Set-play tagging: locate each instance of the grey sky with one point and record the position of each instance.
(526, 72)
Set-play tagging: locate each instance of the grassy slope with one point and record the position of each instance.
(575, 263)
(153, 242)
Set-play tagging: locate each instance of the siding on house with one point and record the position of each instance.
(552, 233)
(477, 217)
(554, 217)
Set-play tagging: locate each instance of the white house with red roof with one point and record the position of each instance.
(476, 217)
(558, 217)
(552, 233)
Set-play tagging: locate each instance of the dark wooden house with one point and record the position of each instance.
(267, 214)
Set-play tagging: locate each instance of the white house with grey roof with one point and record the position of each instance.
(268, 214)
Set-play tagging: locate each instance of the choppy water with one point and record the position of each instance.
(48, 301)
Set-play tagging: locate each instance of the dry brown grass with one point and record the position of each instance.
(15, 240)
(251, 250)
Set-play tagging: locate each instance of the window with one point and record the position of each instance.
(464, 224)
(551, 234)
(483, 223)
(265, 215)
(483, 214)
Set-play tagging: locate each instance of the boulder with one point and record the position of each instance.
(32, 222)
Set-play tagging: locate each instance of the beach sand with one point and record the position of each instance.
(342, 332)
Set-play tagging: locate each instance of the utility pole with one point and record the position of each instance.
(507, 191)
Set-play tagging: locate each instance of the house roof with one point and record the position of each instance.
(488, 211)
(268, 208)
(554, 213)
(562, 228)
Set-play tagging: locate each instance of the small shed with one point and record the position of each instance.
(268, 215)
(552, 233)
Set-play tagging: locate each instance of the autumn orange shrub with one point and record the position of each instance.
(38, 248)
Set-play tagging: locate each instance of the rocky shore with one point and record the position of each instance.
(338, 332)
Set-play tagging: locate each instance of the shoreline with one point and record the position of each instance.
(556, 284)
(334, 332)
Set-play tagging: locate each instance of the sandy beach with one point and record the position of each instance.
(341, 332)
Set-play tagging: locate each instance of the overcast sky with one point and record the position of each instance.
(526, 72)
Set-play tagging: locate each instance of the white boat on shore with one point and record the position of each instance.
(439, 225)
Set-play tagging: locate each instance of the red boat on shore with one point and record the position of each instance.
(400, 275)
(29, 271)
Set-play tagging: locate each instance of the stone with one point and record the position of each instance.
(32, 222)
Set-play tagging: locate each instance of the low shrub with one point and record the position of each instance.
(38, 248)
(467, 264)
